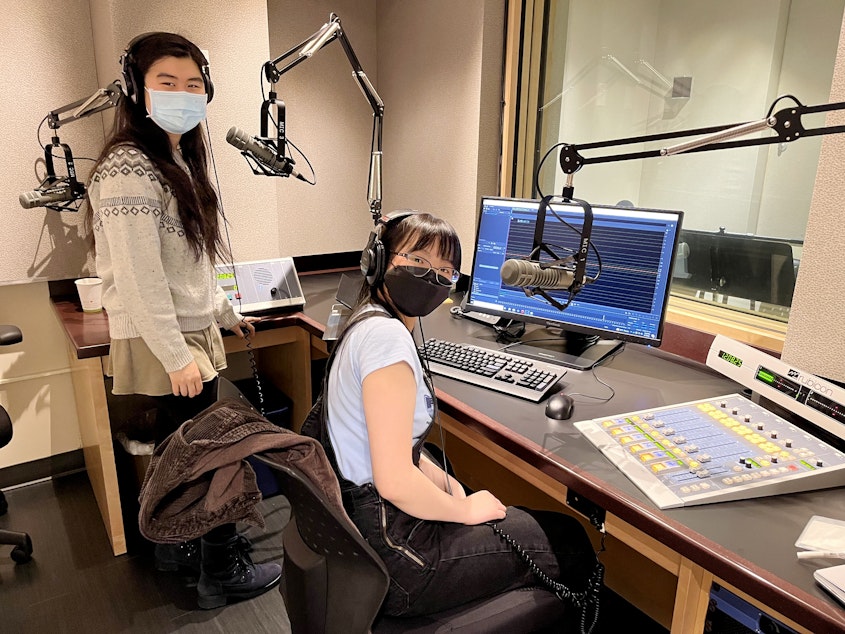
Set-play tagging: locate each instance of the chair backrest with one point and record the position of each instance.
(9, 335)
(340, 583)
(5, 427)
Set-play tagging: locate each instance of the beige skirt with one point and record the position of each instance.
(136, 370)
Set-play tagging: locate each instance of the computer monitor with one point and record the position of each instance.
(626, 303)
(750, 267)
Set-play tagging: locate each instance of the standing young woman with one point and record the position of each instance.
(432, 536)
(154, 215)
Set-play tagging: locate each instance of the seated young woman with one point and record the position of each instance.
(437, 541)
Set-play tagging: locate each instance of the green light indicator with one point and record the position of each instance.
(766, 377)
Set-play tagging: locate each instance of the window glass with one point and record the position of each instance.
(611, 70)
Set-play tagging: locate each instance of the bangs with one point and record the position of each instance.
(424, 231)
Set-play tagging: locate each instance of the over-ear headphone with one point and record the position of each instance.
(133, 83)
(374, 257)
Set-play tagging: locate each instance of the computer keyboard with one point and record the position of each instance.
(499, 371)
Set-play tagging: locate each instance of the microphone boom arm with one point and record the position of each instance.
(101, 99)
(786, 123)
(329, 32)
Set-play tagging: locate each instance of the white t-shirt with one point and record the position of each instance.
(373, 344)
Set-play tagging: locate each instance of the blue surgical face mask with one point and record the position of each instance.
(176, 112)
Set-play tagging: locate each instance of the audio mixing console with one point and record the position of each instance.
(730, 448)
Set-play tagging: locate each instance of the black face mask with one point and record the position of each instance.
(414, 296)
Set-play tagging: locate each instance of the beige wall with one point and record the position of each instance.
(436, 64)
(329, 119)
(440, 66)
(814, 338)
(236, 37)
(47, 68)
(76, 59)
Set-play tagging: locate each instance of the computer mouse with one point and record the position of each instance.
(560, 406)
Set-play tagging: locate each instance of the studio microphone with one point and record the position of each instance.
(524, 273)
(44, 197)
(263, 154)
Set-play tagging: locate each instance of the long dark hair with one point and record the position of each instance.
(414, 232)
(196, 197)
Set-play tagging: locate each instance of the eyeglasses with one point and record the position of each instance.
(445, 276)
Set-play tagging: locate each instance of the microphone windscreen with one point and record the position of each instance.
(511, 272)
(237, 137)
(42, 198)
(29, 199)
(523, 273)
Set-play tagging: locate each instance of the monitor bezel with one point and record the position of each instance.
(562, 325)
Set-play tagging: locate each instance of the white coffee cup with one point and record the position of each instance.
(90, 294)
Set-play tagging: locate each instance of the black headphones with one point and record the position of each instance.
(133, 83)
(374, 257)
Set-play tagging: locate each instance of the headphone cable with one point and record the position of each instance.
(429, 381)
(247, 340)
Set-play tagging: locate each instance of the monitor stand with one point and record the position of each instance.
(569, 349)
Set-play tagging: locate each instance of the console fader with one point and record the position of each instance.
(729, 448)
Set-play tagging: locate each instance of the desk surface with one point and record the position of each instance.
(749, 544)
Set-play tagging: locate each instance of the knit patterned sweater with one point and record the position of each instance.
(153, 286)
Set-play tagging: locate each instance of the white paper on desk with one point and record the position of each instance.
(823, 533)
(832, 579)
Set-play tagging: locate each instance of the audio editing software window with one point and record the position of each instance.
(636, 248)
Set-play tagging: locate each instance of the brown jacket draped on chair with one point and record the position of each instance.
(198, 477)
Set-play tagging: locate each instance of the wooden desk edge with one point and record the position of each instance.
(87, 333)
(95, 341)
(793, 603)
(771, 591)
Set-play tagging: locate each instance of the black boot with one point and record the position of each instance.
(227, 572)
(172, 557)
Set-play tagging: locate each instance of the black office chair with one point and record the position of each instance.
(335, 582)
(22, 551)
